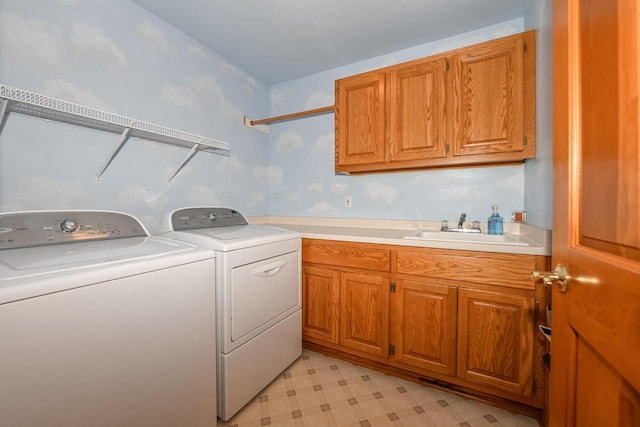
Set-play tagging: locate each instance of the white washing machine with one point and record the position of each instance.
(102, 324)
(258, 297)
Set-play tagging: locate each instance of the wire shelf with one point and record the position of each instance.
(34, 104)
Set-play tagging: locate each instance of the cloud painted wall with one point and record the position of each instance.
(301, 157)
(115, 56)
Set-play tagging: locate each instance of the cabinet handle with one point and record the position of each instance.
(558, 277)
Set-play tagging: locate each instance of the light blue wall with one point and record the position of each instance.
(301, 155)
(538, 177)
(114, 55)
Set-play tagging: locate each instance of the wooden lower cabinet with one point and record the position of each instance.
(495, 340)
(461, 318)
(364, 313)
(347, 309)
(321, 302)
(424, 325)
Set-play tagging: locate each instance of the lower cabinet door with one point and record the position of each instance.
(424, 325)
(364, 313)
(320, 304)
(495, 340)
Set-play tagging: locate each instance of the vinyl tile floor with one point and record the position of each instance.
(320, 391)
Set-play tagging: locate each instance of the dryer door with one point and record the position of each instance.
(263, 293)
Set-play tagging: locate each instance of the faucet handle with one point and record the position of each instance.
(463, 216)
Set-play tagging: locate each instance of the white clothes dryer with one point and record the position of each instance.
(103, 325)
(258, 281)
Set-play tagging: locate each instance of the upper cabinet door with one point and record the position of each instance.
(417, 111)
(470, 106)
(493, 97)
(360, 120)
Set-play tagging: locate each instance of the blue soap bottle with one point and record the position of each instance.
(494, 223)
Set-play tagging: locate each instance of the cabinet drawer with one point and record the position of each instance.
(478, 267)
(346, 255)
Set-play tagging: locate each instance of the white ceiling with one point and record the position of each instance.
(279, 40)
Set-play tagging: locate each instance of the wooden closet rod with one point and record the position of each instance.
(313, 112)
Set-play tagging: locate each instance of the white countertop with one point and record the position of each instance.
(393, 232)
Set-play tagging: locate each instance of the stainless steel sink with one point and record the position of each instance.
(491, 239)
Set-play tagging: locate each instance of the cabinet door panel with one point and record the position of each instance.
(360, 120)
(495, 340)
(425, 325)
(364, 313)
(320, 304)
(488, 98)
(417, 110)
(355, 255)
(510, 270)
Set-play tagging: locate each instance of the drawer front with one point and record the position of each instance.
(359, 255)
(486, 268)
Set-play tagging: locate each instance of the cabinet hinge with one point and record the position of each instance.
(524, 47)
(392, 349)
(448, 65)
(534, 386)
(524, 141)
(535, 313)
(392, 286)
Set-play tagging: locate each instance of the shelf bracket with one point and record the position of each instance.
(3, 111)
(123, 139)
(262, 128)
(186, 159)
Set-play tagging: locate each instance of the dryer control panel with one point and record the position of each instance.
(206, 217)
(39, 228)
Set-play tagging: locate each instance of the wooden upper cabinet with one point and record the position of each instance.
(360, 120)
(474, 105)
(490, 94)
(417, 113)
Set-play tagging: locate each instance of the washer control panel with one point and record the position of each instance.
(25, 229)
(206, 217)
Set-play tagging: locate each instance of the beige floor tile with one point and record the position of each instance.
(320, 391)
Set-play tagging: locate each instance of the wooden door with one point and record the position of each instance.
(360, 120)
(424, 325)
(493, 97)
(495, 340)
(320, 304)
(417, 98)
(595, 352)
(364, 313)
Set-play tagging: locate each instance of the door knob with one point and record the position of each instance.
(559, 277)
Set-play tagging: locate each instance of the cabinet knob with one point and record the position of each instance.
(558, 277)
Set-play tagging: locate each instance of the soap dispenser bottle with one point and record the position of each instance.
(494, 223)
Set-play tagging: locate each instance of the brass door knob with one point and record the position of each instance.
(559, 277)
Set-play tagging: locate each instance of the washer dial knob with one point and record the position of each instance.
(68, 226)
(212, 216)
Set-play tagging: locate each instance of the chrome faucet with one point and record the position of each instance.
(475, 228)
(463, 216)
